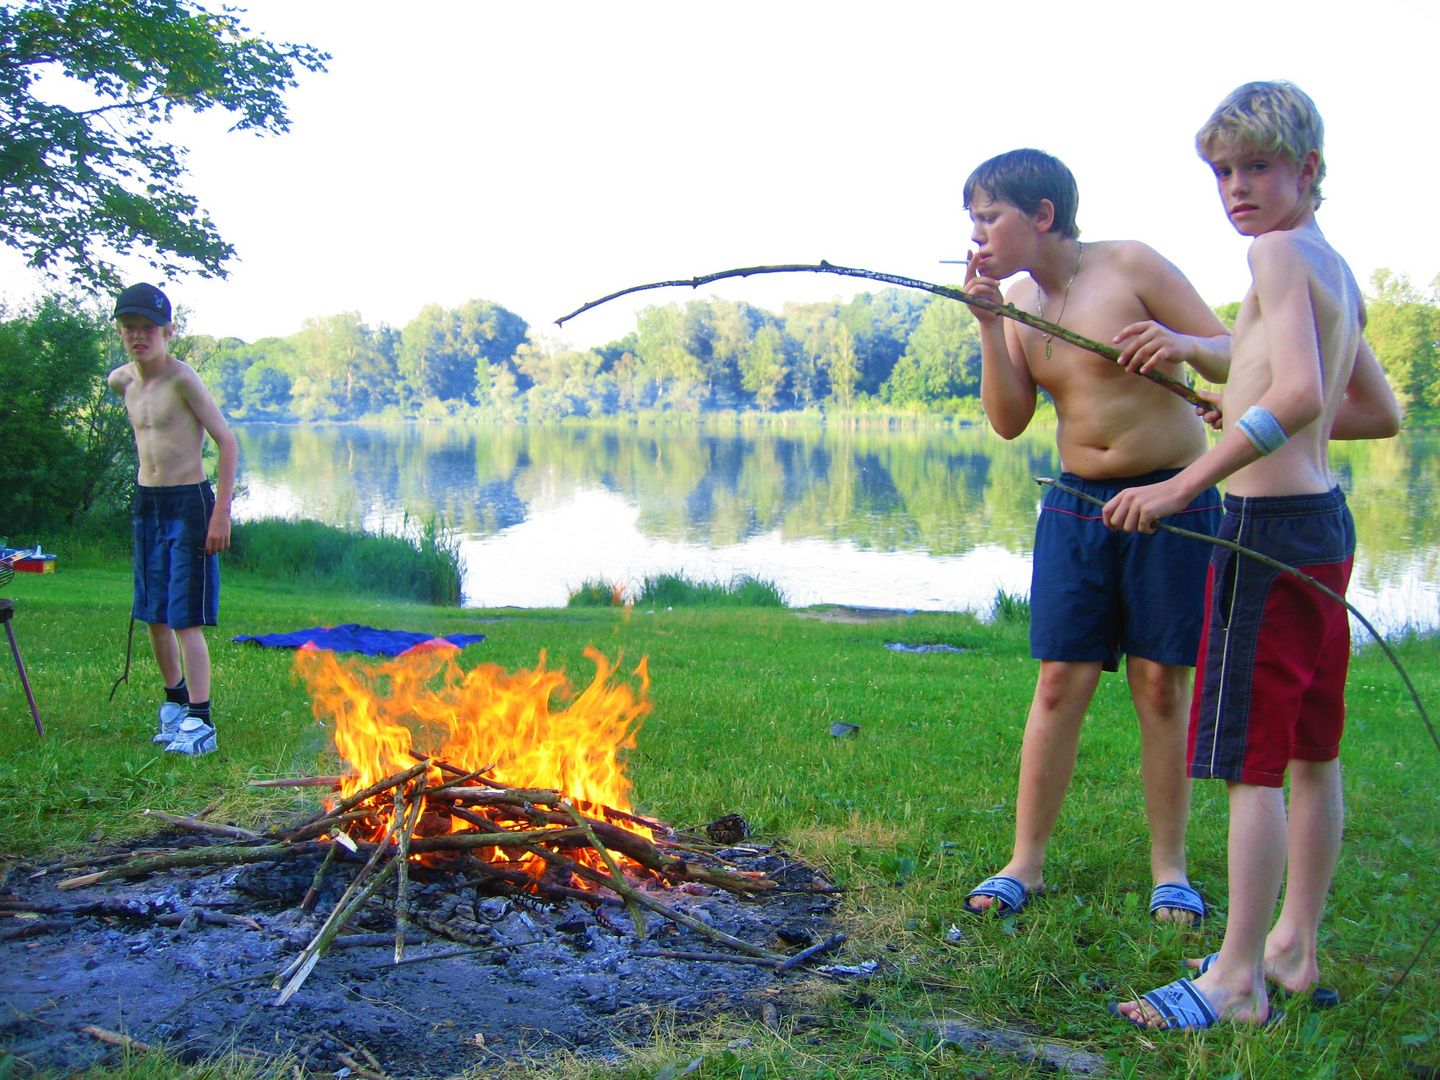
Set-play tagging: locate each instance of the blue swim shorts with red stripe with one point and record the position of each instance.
(1271, 683)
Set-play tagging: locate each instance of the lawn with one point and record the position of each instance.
(910, 812)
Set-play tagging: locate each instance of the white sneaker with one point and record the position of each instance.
(194, 737)
(171, 713)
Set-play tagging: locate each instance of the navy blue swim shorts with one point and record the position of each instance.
(176, 583)
(1095, 594)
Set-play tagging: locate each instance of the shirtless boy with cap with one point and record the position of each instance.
(180, 523)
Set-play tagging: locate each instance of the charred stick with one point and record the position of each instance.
(360, 1070)
(493, 797)
(339, 913)
(465, 778)
(326, 824)
(834, 941)
(346, 805)
(482, 823)
(114, 1038)
(467, 952)
(620, 888)
(637, 913)
(718, 958)
(30, 928)
(220, 855)
(194, 825)
(209, 918)
(300, 781)
(313, 893)
(402, 889)
(338, 918)
(466, 840)
(356, 941)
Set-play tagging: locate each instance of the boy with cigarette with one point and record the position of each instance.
(1270, 694)
(1095, 595)
(180, 524)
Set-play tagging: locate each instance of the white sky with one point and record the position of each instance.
(543, 154)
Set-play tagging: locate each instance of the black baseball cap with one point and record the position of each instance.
(144, 299)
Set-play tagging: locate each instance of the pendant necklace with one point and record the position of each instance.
(1040, 299)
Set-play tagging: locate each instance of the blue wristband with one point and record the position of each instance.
(1262, 429)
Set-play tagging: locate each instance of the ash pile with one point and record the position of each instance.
(404, 952)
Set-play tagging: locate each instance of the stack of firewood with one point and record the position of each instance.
(539, 847)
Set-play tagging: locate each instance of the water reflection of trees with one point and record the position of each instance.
(940, 490)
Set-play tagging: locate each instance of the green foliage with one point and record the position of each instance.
(424, 567)
(66, 450)
(676, 590)
(1404, 329)
(78, 181)
(597, 593)
(1010, 609)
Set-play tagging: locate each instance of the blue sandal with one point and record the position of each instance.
(1177, 896)
(1011, 895)
(1184, 1008)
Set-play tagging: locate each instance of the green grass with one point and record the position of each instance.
(677, 590)
(912, 811)
(425, 567)
(597, 593)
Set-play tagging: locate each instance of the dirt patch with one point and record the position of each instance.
(842, 614)
(166, 960)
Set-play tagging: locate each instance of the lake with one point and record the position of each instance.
(932, 518)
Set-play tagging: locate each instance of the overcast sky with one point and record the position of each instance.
(541, 155)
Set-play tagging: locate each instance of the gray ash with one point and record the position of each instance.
(173, 960)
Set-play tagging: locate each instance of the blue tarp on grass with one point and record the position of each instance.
(352, 637)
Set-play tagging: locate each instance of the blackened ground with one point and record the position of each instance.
(568, 979)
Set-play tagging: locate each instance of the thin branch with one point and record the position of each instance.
(1009, 311)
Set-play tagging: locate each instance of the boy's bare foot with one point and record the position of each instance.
(1291, 972)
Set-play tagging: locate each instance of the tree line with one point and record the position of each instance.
(480, 360)
(893, 350)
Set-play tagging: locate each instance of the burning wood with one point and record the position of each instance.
(458, 815)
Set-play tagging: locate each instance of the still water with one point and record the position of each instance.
(933, 519)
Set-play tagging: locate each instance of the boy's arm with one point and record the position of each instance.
(193, 392)
(1369, 410)
(1184, 329)
(1007, 390)
(1295, 397)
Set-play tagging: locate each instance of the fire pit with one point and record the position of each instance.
(433, 914)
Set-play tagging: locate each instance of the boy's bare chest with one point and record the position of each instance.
(156, 407)
(1097, 317)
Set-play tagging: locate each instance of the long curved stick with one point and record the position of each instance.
(1009, 311)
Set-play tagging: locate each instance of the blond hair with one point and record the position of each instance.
(1275, 116)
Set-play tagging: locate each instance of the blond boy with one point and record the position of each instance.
(1095, 595)
(180, 524)
(1270, 694)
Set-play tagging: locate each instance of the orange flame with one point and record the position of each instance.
(424, 701)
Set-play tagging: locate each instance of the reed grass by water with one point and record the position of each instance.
(421, 564)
